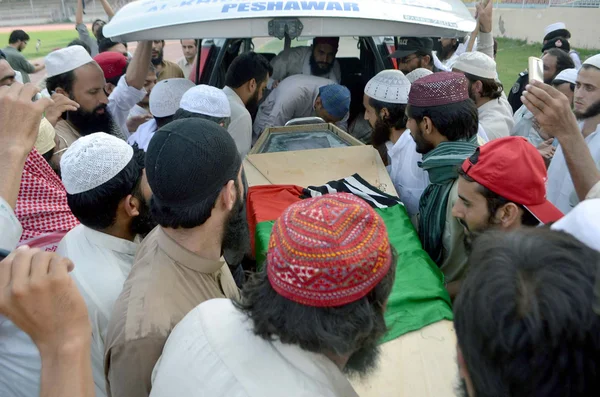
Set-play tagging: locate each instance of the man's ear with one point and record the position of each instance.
(427, 59)
(508, 215)
(228, 196)
(252, 85)
(131, 206)
(384, 113)
(427, 125)
(318, 103)
(59, 90)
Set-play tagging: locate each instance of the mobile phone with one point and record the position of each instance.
(3, 253)
(536, 69)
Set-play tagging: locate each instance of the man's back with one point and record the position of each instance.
(166, 282)
(294, 97)
(214, 352)
(18, 62)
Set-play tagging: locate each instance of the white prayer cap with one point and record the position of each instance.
(568, 75)
(206, 100)
(45, 139)
(477, 64)
(554, 27)
(417, 74)
(66, 59)
(390, 86)
(166, 94)
(582, 223)
(93, 160)
(594, 61)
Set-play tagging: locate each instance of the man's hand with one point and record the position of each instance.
(39, 296)
(61, 104)
(133, 123)
(20, 117)
(485, 14)
(551, 109)
(547, 151)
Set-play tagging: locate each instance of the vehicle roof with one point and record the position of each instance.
(182, 19)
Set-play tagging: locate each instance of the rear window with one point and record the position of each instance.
(269, 45)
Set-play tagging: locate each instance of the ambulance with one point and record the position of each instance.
(419, 363)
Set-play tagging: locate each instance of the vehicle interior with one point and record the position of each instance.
(360, 59)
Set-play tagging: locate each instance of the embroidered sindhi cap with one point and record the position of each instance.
(438, 89)
(328, 251)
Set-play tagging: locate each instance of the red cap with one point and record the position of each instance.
(113, 64)
(442, 88)
(513, 168)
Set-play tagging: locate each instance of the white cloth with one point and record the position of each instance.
(294, 97)
(204, 99)
(214, 352)
(240, 127)
(137, 110)
(496, 118)
(594, 192)
(20, 362)
(524, 126)
(143, 135)
(295, 61)
(482, 137)
(560, 189)
(122, 101)
(102, 264)
(185, 66)
(575, 57)
(583, 223)
(10, 226)
(409, 179)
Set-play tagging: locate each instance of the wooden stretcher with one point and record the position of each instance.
(421, 363)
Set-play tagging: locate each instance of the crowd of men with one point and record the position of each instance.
(124, 220)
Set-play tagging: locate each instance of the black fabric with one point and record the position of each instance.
(558, 42)
(357, 186)
(514, 97)
(189, 161)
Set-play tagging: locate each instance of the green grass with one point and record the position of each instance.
(512, 56)
(50, 41)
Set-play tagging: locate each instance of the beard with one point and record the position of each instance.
(471, 234)
(252, 105)
(91, 122)
(445, 52)
(363, 361)
(423, 146)
(320, 68)
(143, 223)
(159, 58)
(236, 236)
(381, 133)
(592, 111)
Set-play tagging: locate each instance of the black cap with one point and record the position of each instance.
(558, 42)
(189, 161)
(410, 45)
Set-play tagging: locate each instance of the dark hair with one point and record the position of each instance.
(195, 41)
(557, 82)
(563, 60)
(184, 114)
(455, 121)
(100, 33)
(106, 44)
(246, 67)
(558, 33)
(422, 53)
(490, 88)
(64, 81)
(495, 201)
(18, 35)
(162, 121)
(397, 118)
(524, 315)
(97, 208)
(340, 330)
(187, 217)
(81, 43)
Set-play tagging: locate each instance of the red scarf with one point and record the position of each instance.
(42, 203)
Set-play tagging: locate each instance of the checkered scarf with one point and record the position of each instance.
(42, 202)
